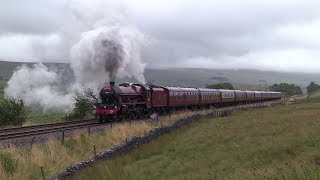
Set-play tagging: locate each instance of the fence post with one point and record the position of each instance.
(89, 130)
(42, 172)
(32, 141)
(111, 125)
(62, 140)
(94, 150)
(157, 119)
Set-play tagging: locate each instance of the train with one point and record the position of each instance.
(134, 101)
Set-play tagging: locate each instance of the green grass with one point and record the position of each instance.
(39, 117)
(277, 143)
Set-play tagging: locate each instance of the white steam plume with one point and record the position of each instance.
(102, 47)
(105, 53)
(36, 86)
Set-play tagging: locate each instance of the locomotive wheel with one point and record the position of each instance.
(101, 118)
(115, 118)
(127, 116)
(132, 115)
(140, 115)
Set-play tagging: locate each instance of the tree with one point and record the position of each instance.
(84, 103)
(313, 87)
(287, 89)
(220, 86)
(83, 107)
(13, 112)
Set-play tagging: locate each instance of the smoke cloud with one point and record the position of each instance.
(106, 53)
(104, 46)
(37, 86)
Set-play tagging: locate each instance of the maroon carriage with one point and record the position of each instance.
(241, 96)
(250, 96)
(209, 97)
(228, 97)
(275, 95)
(257, 96)
(265, 95)
(182, 97)
(159, 99)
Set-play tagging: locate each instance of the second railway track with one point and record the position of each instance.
(20, 132)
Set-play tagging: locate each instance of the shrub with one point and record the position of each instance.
(220, 86)
(83, 105)
(313, 87)
(287, 89)
(13, 112)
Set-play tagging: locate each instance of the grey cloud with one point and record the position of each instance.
(30, 16)
(239, 32)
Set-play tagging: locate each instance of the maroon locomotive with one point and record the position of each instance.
(131, 101)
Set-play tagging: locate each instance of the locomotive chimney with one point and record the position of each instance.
(112, 83)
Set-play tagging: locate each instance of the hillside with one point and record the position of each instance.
(192, 77)
(200, 77)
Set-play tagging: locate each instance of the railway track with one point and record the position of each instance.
(27, 131)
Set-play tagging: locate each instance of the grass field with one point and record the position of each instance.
(275, 143)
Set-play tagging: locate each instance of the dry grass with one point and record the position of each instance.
(55, 157)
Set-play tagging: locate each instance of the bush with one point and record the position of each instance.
(313, 87)
(8, 163)
(287, 89)
(13, 112)
(83, 105)
(220, 86)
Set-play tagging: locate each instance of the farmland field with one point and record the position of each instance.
(276, 143)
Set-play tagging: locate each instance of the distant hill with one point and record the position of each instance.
(191, 77)
(200, 77)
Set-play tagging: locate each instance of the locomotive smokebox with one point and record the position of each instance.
(112, 83)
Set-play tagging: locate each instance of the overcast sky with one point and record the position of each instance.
(266, 35)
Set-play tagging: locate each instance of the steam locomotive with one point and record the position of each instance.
(132, 101)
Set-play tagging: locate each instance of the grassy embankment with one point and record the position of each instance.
(55, 157)
(276, 143)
